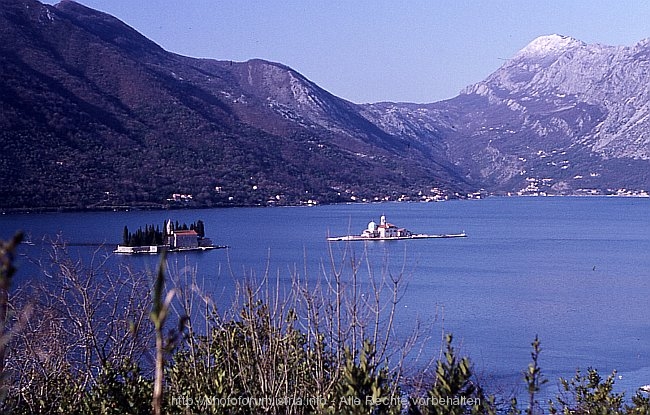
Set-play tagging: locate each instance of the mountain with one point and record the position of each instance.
(96, 115)
(560, 117)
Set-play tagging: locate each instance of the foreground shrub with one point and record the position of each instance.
(590, 394)
(363, 387)
(86, 325)
(454, 391)
(247, 366)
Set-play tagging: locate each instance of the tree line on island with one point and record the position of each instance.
(151, 235)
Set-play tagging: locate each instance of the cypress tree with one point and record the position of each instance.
(200, 228)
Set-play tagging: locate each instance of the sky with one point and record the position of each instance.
(385, 50)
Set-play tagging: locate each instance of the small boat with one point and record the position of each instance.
(388, 232)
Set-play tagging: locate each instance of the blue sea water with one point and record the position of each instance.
(574, 271)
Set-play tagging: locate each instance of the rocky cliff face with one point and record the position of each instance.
(561, 116)
(563, 72)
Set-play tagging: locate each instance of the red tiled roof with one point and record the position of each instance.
(192, 233)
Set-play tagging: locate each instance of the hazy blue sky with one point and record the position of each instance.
(369, 51)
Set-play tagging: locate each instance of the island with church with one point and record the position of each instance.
(386, 231)
(173, 237)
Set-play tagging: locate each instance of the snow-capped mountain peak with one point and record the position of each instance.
(566, 114)
(548, 45)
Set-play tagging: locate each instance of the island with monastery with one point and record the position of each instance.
(173, 237)
(387, 232)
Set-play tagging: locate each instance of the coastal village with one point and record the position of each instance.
(173, 238)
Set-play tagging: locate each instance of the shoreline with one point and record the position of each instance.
(158, 249)
(125, 208)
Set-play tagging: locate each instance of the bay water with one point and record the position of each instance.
(574, 271)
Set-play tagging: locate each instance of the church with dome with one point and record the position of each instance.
(384, 230)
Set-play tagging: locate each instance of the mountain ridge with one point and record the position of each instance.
(560, 117)
(95, 115)
(83, 93)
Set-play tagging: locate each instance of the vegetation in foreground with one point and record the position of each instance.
(91, 341)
